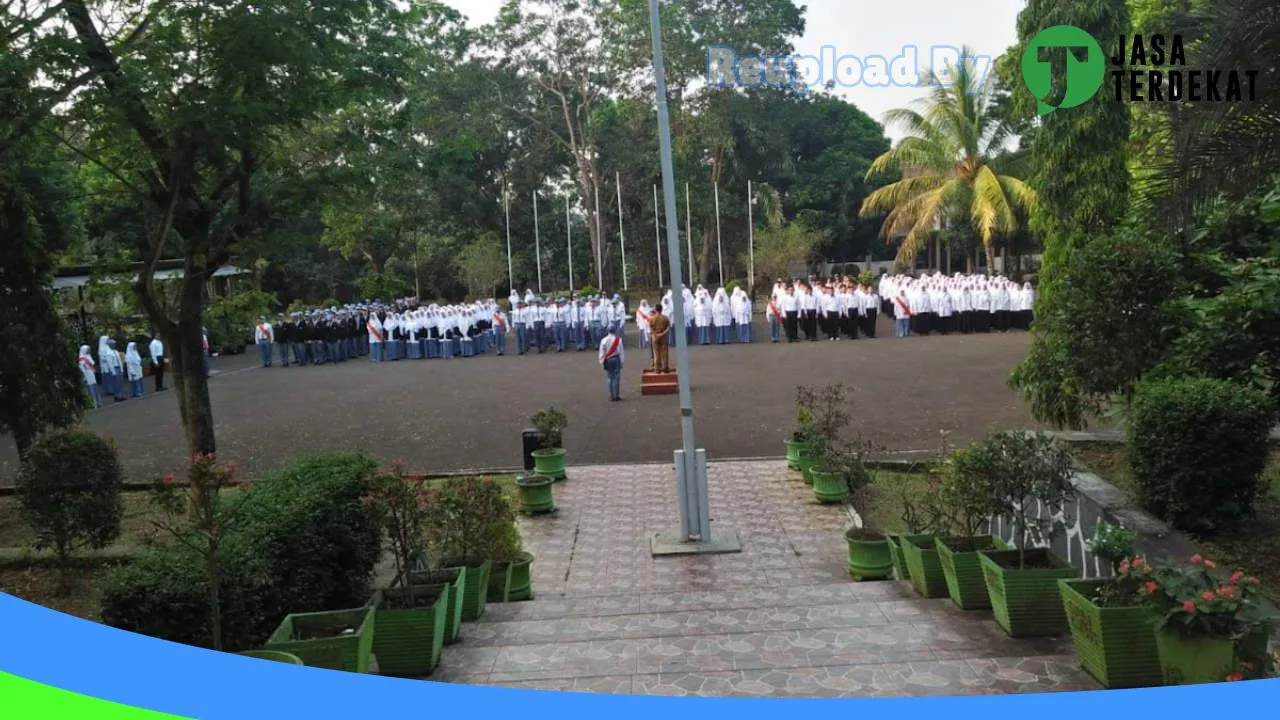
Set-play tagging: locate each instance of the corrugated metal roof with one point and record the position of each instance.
(75, 281)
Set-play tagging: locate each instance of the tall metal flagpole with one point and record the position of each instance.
(657, 233)
(751, 239)
(568, 229)
(622, 238)
(599, 243)
(695, 530)
(688, 231)
(719, 246)
(506, 204)
(537, 240)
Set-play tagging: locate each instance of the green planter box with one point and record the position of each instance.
(476, 587)
(1026, 603)
(499, 590)
(320, 640)
(520, 586)
(963, 571)
(797, 450)
(457, 581)
(895, 553)
(1116, 645)
(408, 640)
(549, 463)
(923, 567)
(829, 488)
(869, 559)
(1194, 660)
(273, 656)
(535, 494)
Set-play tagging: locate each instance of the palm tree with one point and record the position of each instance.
(950, 166)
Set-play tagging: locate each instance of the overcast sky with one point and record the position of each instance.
(863, 28)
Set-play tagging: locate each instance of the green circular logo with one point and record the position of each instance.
(1083, 77)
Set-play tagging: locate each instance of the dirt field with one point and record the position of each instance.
(439, 416)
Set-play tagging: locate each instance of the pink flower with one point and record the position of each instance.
(1226, 591)
(1188, 606)
(1209, 564)
(1151, 586)
(1196, 559)
(1124, 566)
(1236, 577)
(1235, 677)
(1208, 596)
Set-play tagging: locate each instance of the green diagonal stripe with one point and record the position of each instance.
(26, 700)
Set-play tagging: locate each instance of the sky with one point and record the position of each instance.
(865, 28)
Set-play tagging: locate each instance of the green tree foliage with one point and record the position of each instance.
(948, 165)
(1079, 172)
(69, 488)
(484, 265)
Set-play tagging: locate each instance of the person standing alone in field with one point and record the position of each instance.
(611, 356)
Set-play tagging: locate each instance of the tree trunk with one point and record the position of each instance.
(1004, 261)
(587, 183)
(215, 589)
(991, 259)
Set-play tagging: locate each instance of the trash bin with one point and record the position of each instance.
(532, 441)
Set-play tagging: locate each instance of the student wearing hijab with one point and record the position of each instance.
(88, 368)
(643, 313)
(133, 368)
(721, 316)
(611, 358)
(742, 315)
(106, 365)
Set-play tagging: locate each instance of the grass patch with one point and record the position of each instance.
(136, 524)
(39, 585)
(1254, 547)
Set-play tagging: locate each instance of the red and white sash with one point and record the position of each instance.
(263, 329)
(497, 320)
(86, 362)
(612, 352)
(902, 305)
(373, 330)
(774, 311)
(642, 316)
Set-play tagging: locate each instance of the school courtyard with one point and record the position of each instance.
(444, 416)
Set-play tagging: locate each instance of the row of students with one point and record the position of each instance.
(958, 303)
(119, 377)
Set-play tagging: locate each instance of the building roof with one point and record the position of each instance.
(82, 278)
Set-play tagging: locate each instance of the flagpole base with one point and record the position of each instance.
(724, 540)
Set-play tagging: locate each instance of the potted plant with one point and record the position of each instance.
(535, 494)
(965, 495)
(1030, 484)
(1204, 623)
(919, 517)
(510, 578)
(869, 557)
(459, 529)
(548, 460)
(409, 619)
(828, 417)
(456, 579)
(337, 640)
(798, 445)
(1110, 625)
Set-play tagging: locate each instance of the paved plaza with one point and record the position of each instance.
(780, 619)
(467, 414)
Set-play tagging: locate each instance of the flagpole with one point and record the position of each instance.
(719, 246)
(622, 238)
(599, 243)
(568, 229)
(506, 203)
(751, 239)
(688, 231)
(657, 233)
(537, 241)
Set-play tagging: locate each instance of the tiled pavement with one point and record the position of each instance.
(779, 619)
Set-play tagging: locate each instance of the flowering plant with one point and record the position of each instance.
(1194, 600)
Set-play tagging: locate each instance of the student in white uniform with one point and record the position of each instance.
(133, 368)
(642, 323)
(721, 316)
(773, 313)
(790, 306)
(265, 339)
(611, 357)
(88, 368)
(702, 318)
(742, 315)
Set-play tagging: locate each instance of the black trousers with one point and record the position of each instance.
(886, 306)
(540, 335)
(811, 324)
(1002, 320)
(791, 323)
(833, 325)
(157, 369)
(852, 321)
(869, 320)
(946, 324)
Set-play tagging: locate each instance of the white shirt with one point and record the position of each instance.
(789, 304)
(604, 347)
(263, 333)
(157, 349)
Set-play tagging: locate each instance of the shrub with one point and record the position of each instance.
(69, 489)
(587, 291)
(1197, 449)
(469, 521)
(310, 535)
(165, 594)
(550, 424)
(734, 285)
(1030, 483)
(965, 492)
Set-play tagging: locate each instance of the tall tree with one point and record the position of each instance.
(950, 166)
(1080, 174)
(191, 100)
